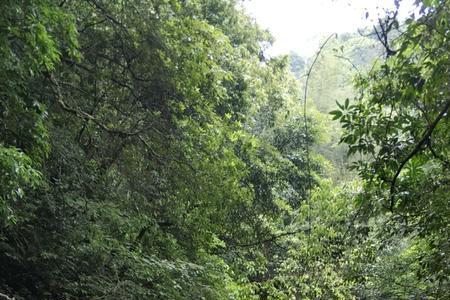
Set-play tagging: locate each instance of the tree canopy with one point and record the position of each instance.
(150, 149)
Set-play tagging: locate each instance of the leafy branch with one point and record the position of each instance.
(419, 146)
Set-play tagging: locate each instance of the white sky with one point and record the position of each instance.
(299, 25)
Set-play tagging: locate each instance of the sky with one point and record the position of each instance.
(300, 25)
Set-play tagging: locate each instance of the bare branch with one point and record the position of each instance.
(3, 296)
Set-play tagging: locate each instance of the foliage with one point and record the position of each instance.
(400, 126)
(137, 126)
(150, 150)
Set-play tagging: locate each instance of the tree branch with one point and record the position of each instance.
(3, 296)
(89, 117)
(271, 239)
(417, 149)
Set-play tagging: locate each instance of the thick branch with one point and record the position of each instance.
(383, 35)
(417, 149)
(3, 296)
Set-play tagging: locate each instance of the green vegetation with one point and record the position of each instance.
(150, 150)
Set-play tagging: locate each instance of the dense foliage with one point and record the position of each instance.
(400, 126)
(150, 150)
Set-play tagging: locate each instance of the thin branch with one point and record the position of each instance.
(349, 61)
(107, 15)
(437, 156)
(89, 117)
(362, 34)
(271, 239)
(89, 25)
(147, 145)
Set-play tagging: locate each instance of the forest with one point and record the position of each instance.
(151, 149)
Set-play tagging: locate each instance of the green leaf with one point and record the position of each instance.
(340, 105)
(336, 114)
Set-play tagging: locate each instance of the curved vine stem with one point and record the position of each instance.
(305, 119)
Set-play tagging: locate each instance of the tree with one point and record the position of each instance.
(400, 126)
(143, 131)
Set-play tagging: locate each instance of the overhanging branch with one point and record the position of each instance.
(419, 146)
